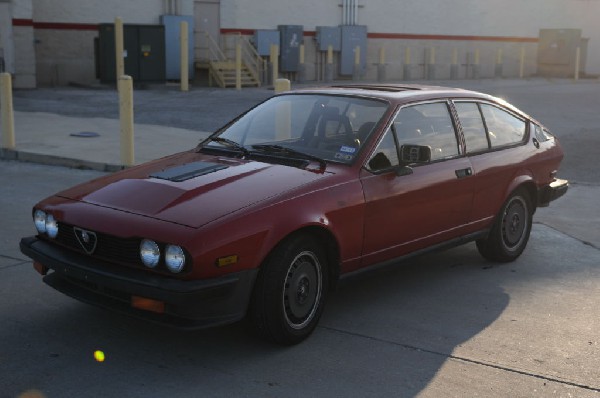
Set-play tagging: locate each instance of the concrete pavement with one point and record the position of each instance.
(48, 138)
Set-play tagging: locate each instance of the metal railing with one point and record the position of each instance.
(251, 60)
(215, 53)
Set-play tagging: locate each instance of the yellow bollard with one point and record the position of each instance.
(119, 51)
(125, 86)
(283, 117)
(282, 85)
(454, 64)
(476, 57)
(301, 62)
(238, 64)
(357, 55)
(274, 58)
(330, 54)
(184, 55)
(6, 107)
(522, 62)
(407, 66)
(577, 62)
(381, 55)
(432, 56)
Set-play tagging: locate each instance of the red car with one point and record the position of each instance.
(268, 213)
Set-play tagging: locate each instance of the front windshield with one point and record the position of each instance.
(329, 127)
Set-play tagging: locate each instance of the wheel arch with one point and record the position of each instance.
(526, 182)
(327, 240)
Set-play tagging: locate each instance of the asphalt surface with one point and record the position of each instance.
(445, 324)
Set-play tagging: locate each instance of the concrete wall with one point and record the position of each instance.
(65, 33)
(56, 46)
(105, 11)
(7, 53)
(23, 42)
(267, 14)
(472, 18)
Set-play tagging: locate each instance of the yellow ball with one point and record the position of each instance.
(99, 356)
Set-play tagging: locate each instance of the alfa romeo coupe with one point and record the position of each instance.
(263, 217)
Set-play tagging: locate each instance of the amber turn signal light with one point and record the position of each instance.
(147, 304)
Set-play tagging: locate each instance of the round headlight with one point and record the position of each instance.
(174, 258)
(51, 226)
(149, 253)
(39, 219)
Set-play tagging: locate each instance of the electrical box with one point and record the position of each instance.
(353, 36)
(172, 25)
(143, 48)
(291, 37)
(329, 36)
(263, 38)
(557, 52)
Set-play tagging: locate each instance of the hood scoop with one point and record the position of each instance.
(188, 171)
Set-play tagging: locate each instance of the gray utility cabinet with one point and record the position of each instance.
(172, 25)
(329, 36)
(353, 36)
(144, 48)
(263, 39)
(291, 38)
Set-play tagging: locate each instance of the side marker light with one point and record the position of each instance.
(229, 260)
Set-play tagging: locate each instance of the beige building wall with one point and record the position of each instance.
(53, 40)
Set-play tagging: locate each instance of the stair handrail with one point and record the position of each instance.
(251, 59)
(214, 50)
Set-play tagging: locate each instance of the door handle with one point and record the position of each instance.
(462, 173)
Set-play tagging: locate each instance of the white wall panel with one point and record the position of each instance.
(267, 14)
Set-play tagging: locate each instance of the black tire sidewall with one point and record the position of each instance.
(494, 248)
(267, 308)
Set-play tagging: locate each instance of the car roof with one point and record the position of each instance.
(402, 93)
(393, 91)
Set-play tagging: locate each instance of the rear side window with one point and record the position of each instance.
(472, 126)
(541, 134)
(503, 127)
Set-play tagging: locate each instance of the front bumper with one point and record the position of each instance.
(552, 191)
(187, 304)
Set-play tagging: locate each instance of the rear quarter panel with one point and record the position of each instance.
(497, 174)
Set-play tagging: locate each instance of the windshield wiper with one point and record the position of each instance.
(229, 144)
(278, 149)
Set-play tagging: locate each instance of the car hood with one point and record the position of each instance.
(192, 190)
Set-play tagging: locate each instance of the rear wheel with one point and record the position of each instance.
(510, 233)
(290, 291)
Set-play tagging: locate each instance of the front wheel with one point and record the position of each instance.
(510, 232)
(290, 291)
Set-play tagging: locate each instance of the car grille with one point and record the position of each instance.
(109, 248)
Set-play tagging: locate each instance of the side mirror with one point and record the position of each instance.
(415, 154)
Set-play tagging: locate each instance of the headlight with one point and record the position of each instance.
(39, 219)
(149, 253)
(51, 226)
(174, 258)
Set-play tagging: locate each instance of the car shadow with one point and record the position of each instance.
(387, 332)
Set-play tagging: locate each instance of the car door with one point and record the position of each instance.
(411, 208)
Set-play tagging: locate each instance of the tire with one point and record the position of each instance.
(290, 291)
(510, 232)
